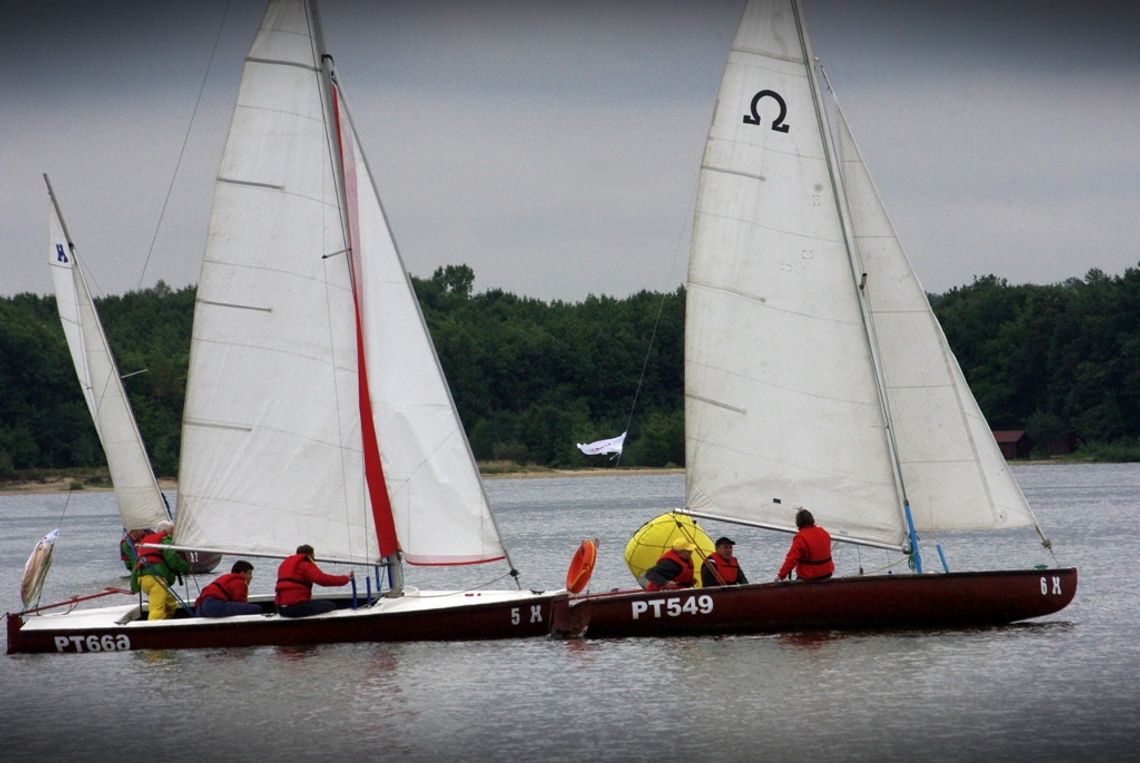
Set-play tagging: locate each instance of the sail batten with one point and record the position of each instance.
(341, 431)
(839, 388)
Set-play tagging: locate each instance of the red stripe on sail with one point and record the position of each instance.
(373, 468)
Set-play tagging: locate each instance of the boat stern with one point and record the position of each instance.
(15, 623)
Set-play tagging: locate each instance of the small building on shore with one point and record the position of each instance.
(1014, 443)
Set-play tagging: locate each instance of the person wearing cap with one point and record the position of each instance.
(721, 568)
(674, 569)
(156, 570)
(810, 554)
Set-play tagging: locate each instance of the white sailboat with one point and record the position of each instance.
(137, 494)
(816, 374)
(136, 489)
(316, 410)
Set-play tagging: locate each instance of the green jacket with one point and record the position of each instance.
(172, 565)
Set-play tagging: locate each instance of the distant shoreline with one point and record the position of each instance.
(97, 481)
(63, 484)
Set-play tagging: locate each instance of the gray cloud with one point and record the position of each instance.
(554, 147)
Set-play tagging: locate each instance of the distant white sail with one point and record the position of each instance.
(612, 446)
(136, 490)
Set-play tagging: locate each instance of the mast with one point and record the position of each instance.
(858, 278)
(374, 475)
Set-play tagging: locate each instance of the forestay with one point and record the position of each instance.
(807, 330)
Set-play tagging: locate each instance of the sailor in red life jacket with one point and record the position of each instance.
(810, 553)
(228, 594)
(295, 579)
(674, 569)
(722, 568)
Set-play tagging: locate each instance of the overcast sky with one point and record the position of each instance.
(554, 146)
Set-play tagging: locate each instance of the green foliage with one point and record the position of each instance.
(1060, 361)
(44, 422)
(531, 379)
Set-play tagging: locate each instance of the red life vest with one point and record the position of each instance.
(151, 556)
(684, 578)
(816, 561)
(228, 587)
(292, 585)
(726, 569)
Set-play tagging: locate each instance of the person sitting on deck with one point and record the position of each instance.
(674, 569)
(295, 579)
(156, 570)
(228, 594)
(810, 553)
(722, 568)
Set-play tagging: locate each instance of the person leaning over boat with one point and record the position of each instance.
(674, 569)
(127, 551)
(156, 570)
(228, 594)
(722, 568)
(810, 553)
(295, 578)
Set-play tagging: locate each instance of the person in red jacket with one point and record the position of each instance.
(295, 579)
(810, 553)
(721, 568)
(228, 594)
(674, 569)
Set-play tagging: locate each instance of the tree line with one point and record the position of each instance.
(533, 378)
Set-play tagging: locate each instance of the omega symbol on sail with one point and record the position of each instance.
(60, 255)
(777, 123)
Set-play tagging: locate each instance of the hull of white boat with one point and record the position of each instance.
(855, 603)
(415, 616)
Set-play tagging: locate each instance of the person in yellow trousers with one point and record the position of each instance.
(156, 571)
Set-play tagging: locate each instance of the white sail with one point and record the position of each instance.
(136, 490)
(273, 450)
(954, 473)
(807, 330)
(440, 511)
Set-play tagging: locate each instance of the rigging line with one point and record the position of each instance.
(63, 514)
(475, 587)
(182, 151)
(656, 324)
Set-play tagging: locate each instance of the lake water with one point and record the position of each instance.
(1054, 690)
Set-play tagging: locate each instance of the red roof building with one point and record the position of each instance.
(1013, 443)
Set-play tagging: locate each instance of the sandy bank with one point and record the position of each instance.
(64, 484)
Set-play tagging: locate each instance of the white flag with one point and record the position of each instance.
(603, 447)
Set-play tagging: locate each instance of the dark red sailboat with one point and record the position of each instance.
(816, 375)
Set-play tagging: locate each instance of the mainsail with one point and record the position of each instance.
(137, 493)
(836, 389)
(316, 410)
